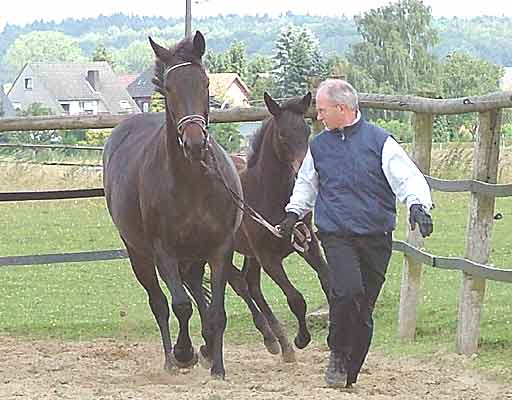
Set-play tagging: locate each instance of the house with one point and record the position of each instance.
(226, 90)
(6, 108)
(229, 90)
(141, 89)
(506, 81)
(126, 79)
(71, 89)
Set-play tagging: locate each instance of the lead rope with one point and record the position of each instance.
(301, 235)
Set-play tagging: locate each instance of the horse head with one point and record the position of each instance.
(181, 78)
(291, 141)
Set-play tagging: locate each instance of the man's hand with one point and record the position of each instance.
(417, 215)
(285, 227)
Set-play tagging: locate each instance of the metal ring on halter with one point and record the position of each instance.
(193, 119)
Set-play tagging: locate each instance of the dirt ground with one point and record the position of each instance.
(114, 370)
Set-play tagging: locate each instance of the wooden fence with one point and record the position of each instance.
(483, 189)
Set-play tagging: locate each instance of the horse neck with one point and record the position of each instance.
(275, 179)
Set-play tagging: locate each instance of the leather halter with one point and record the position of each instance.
(191, 118)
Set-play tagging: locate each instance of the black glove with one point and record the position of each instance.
(286, 225)
(417, 215)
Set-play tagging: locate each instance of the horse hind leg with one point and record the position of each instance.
(192, 277)
(239, 284)
(252, 271)
(145, 272)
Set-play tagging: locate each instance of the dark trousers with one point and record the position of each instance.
(357, 268)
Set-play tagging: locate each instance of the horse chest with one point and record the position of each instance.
(195, 225)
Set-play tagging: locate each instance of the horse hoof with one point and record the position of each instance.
(302, 341)
(170, 367)
(218, 376)
(272, 346)
(289, 356)
(184, 363)
(204, 360)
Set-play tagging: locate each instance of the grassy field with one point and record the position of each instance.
(102, 299)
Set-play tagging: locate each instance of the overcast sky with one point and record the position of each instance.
(28, 11)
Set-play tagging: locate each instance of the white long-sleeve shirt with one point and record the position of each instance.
(405, 179)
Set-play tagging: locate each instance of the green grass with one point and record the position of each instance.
(103, 299)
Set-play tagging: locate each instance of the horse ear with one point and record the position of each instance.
(160, 52)
(306, 101)
(272, 106)
(199, 44)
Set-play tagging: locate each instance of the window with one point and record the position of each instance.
(28, 84)
(145, 107)
(65, 107)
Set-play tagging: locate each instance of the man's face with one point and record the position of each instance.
(331, 114)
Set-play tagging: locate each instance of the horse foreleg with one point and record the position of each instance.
(167, 265)
(252, 271)
(217, 314)
(145, 272)
(273, 266)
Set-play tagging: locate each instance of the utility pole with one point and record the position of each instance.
(188, 18)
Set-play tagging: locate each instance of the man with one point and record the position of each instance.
(351, 176)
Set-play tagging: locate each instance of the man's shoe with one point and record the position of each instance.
(336, 373)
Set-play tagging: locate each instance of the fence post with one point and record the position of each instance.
(411, 273)
(479, 230)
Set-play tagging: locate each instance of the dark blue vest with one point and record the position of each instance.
(354, 196)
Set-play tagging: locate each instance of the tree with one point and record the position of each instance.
(135, 58)
(42, 46)
(102, 54)
(227, 135)
(465, 75)
(397, 47)
(237, 59)
(233, 60)
(297, 59)
(259, 77)
(215, 62)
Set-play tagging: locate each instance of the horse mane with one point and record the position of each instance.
(293, 105)
(256, 141)
(184, 52)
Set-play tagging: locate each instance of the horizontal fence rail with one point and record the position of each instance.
(453, 263)
(52, 195)
(84, 256)
(470, 185)
(466, 185)
(49, 146)
(450, 263)
(384, 102)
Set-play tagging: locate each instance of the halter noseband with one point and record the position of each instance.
(189, 119)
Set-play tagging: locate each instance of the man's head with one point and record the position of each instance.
(336, 103)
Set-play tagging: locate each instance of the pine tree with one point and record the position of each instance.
(297, 60)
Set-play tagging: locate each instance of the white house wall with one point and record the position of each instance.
(23, 98)
(236, 97)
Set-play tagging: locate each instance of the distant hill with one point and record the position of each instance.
(485, 37)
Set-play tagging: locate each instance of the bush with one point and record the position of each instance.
(95, 137)
(401, 130)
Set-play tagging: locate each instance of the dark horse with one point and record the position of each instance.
(166, 204)
(277, 152)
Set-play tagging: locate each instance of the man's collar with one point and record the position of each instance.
(338, 131)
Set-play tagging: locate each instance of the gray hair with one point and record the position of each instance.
(340, 92)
